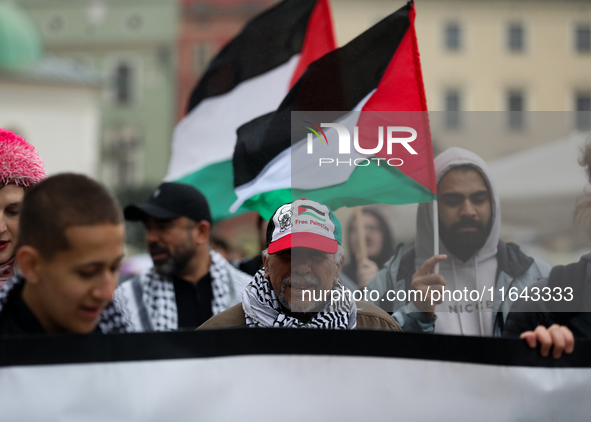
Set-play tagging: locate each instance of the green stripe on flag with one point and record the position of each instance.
(367, 185)
(216, 182)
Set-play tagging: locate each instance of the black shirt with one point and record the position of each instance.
(17, 318)
(251, 266)
(193, 301)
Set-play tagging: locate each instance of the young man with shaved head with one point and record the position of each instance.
(70, 247)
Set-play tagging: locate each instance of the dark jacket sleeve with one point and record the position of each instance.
(519, 322)
(232, 317)
(370, 317)
(527, 315)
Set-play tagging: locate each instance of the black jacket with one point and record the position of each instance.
(574, 313)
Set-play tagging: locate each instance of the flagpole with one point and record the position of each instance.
(360, 232)
(435, 232)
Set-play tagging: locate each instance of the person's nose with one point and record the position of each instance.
(300, 263)
(467, 209)
(104, 289)
(151, 235)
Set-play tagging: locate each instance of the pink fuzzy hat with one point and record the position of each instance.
(19, 162)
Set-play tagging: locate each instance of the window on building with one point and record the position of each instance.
(452, 36)
(583, 38)
(134, 21)
(516, 110)
(452, 106)
(55, 24)
(123, 83)
(583, 111)
(122, 157)
(516, 37)
(201, 55)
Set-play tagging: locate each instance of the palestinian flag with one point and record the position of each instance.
(248, 78)
(372, 87)
(311, 211)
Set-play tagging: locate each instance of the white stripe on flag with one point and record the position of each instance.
(207, 134)
(307, 173)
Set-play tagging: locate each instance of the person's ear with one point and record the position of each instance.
(266, 265)
(201, 232)
(29, 261)
(338, 270)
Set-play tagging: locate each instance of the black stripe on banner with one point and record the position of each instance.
(47, 350)
(337, 82)
(309, 207)
(268, 41)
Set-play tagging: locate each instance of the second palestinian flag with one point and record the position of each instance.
(378, 138)
(248, 78)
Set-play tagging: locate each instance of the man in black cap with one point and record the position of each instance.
(189, 282)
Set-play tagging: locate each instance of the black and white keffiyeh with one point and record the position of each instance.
(111, 319)
(150, 303)
(262, 309)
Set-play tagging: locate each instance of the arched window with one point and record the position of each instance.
(123, 83)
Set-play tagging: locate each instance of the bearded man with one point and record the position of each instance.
(189, 282)
(299, 285)
(477, 260)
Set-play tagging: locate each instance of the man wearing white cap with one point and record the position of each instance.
(299, 285)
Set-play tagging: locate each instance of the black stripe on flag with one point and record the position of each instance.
(308, 207)
(336, 82)
(268, 41)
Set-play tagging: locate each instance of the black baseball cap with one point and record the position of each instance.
(171, 200)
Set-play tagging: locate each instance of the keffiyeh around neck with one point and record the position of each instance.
(262, 309)
(156, 296)
(6, 271)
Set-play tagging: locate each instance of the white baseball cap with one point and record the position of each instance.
(303, 224)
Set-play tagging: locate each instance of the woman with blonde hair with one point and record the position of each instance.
(20, 169)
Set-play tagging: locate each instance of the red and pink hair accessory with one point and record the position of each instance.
(20, 164)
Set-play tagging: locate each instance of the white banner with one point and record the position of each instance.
(259, 379)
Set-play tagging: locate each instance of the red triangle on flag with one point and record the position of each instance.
(401, 89)
(319, 38)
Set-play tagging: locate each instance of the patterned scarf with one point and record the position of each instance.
(262, 309)
(6, 271)
(111, 319)
(159, 301)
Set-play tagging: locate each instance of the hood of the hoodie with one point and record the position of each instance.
(444, 162)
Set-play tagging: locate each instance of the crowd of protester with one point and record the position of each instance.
(62, 241)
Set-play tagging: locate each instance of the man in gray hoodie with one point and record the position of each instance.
(477, 260)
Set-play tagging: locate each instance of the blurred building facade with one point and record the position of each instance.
(132, 45)
(511, 81)
(51, 102)
(513, 56)
(206, 26)
(55, 107)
